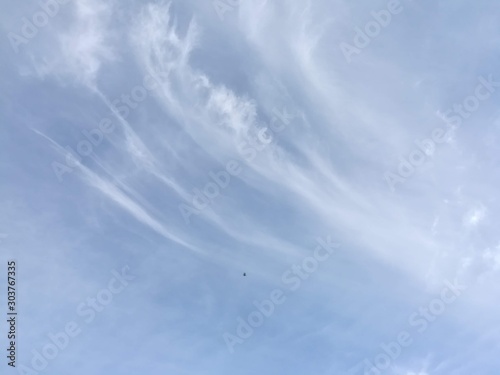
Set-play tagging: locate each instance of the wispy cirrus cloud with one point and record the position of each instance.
(217, 86)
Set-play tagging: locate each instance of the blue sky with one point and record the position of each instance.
(153, 152)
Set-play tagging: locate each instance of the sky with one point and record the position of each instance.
(251, 187)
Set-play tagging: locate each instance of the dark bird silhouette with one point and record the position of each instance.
(244, 274)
